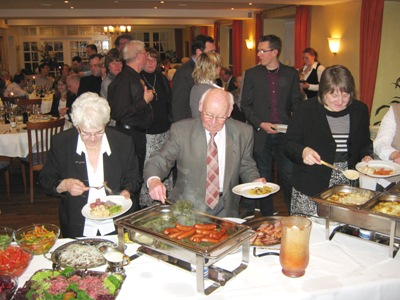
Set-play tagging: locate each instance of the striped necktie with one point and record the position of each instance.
(212, 185)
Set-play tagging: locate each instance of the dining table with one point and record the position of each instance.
(47, 101)
(13, 141)
(346, 267)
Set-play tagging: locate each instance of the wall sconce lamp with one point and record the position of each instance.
(249, 44)
(334, 44)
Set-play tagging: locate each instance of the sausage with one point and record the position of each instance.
(218, 235)
(224, 237)
(205, 226)
(174, 235)
(183, 228)
(203, 232)
(196, 238)
(170, 230)
(209, 240)
(186, 234)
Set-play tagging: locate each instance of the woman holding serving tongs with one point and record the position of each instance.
(332, 127)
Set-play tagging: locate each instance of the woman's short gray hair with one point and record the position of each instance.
(90, 111)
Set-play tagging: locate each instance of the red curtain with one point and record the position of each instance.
(192, 35)
(217, 26)
(204, 30)
(237, 42)
(179, 42)
(259, 32)
(370, 42)
(301, 30)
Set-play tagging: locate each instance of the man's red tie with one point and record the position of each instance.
(212, 185)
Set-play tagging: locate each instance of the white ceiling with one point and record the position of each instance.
(173, 12)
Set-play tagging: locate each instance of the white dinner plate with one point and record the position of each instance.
(244, 189)
(378, 164)
(119, 200)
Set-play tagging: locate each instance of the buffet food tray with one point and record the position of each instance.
(357, 215)
(183, 254)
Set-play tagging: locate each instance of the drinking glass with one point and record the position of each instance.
(294, 254)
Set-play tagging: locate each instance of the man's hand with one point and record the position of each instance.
(268, 127)
(157, 190)
(262, 180)
(73, 186)
(148, 95)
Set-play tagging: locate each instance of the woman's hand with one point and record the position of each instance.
(366, 158)
(73, 186)
(126, 194)
(157, 190)
(63, 111)
(311, 157)
(304, 85)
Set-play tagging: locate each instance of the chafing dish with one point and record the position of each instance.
(357, 215)
(183, 254)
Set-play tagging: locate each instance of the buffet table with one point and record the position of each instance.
(344, 268)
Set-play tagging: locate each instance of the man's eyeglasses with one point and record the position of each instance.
(144, 53)
(90, 134)
(208, 116)
(264, 51)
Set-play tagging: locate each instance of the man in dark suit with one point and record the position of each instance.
(183, 82)
(270, 93)
(187, 147)
(228, 78)
(92, 83)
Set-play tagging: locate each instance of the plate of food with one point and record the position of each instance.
(378, 168)
(106, 208)
(255, 190)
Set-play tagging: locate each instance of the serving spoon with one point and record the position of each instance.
(349, 174)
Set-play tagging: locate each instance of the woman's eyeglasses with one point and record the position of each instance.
(91, 134)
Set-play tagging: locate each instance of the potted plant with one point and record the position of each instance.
(395, 99)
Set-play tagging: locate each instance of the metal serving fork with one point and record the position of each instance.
(105, 186)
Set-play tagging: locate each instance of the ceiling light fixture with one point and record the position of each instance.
(111, 30)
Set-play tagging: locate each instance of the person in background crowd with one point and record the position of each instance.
(183, 82)
(187, 147)
(86, 156)
(5, 80)
(311, 73)
(73, 82)
(206, 71)
(228, 79)
(121, 40)
(270, 93)
(130, 100)
(91, 49)
(62, 98)
(165, 66)
(16, 88)
(113, 65)
(43, 79)
(158, 133)
(65, 70)
(387, 141)
(333, 127)
(237, 112)
(92, 83)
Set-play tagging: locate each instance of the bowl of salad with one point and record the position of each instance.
(14, 260)
(37, 238)
(6, 237)
(8, 285)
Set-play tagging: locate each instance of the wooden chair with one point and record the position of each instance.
(39, 138)
(5, 168)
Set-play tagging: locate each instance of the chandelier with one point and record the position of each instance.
(110, 29)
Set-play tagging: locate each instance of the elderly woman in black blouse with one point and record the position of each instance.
(86, 156)
(333, 127)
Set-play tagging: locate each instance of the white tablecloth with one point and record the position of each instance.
(344, 268)
(14, 144)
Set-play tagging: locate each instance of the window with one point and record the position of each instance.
(162, 41)
(31, 61)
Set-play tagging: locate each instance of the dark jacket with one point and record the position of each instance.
(90, 84)
(121, 172)
(56, 101)
(309, 128)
